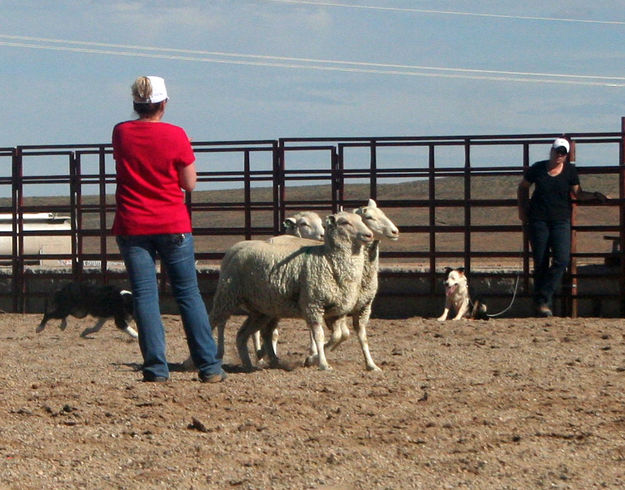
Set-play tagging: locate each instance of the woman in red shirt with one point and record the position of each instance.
(154, 163)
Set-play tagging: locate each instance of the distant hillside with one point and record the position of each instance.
(447, 188)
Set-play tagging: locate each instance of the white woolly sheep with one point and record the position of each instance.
(383, 229)
(318, 283)
(305, 224)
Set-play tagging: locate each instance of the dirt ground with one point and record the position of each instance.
(508, 403)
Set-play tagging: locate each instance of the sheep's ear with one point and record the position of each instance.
(289, 223)
(330, 220)
(372, 203)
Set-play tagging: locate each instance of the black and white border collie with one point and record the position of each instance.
(457, 298)
(81, 299)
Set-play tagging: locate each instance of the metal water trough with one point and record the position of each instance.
(37, 244)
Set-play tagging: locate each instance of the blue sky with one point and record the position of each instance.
(264, 69)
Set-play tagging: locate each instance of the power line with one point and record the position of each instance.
(449, 12)
(305, 63)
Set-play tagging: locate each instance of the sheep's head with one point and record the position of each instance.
(345, 226)
(375, 219)
(306, 224)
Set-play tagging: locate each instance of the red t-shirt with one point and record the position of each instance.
(148, 196)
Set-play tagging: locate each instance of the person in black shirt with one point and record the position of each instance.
(548, 214)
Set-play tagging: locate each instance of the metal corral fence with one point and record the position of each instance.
(453, 198)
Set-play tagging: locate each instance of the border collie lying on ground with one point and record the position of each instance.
(82, 299)
(457, 297)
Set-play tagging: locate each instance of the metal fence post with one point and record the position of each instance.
(17, 239)
(279, 166)
(622, 215)
(373, 175)
(467, 206)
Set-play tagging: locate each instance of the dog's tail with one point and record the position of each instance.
(479, 310)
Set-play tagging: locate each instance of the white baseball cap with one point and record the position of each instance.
(559, 143)
(159, 92)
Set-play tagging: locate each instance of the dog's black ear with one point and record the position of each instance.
(448, 270)
(460, 269)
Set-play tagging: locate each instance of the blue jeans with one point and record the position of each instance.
(549, 240)
(178, 259)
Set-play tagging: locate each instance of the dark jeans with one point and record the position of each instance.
(178, 258)
(549, 240)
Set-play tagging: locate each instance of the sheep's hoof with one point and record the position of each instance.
(373, 368)
(327, 367)
(311, 361)
(330, 345)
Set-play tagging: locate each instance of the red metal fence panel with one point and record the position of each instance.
(453, 198)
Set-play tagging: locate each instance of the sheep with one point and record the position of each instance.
(383, 229)
(287, 280)
(306, 225)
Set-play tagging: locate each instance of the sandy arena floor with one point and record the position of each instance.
(509, 403)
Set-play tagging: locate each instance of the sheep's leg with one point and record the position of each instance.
(313, 354)
(225, 303)
(340, 333)
(338, 327)
(258, 344)
(274, 338)
(249, 327)
(360, 325)
(344, 331)
(267, 331)
(218, 322)
(317, 330)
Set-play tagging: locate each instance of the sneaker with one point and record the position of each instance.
(544, 310)
(212, 377)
